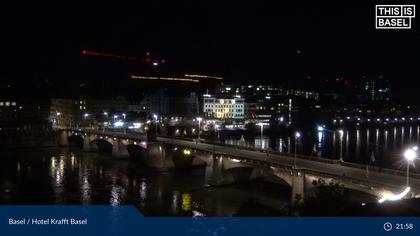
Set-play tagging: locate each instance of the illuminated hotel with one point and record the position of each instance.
(224, 107)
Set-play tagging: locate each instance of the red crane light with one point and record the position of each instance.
(110, 55)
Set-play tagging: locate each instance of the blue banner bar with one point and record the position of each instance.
(127, 220)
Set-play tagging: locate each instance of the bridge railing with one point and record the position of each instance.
(312, 158)
(129, 135)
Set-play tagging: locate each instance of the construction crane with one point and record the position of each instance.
(146, 59)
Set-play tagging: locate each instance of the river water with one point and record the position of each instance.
(380, 146)
(70, 176)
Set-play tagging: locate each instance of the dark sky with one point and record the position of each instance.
(271, 41)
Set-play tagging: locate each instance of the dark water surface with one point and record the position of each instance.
(70, 176)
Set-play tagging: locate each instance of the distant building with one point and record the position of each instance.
(83, 111)
(8, 111)
(62, 112)
(224, 107)
(266, 90)
(166, 104)
(377, 89)
(271, 103)
(97, 106)
(24, 114)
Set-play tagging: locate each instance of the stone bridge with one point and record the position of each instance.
(228, 165)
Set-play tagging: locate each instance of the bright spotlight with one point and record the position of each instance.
(388, 196)
(410, 154)
(118, 124)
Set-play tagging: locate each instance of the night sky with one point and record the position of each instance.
(242, 41)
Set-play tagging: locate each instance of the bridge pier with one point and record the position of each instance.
(298, 188)
(119, 149)
(228, 171)
(296, 179)
(158, 156)
(89, 144)
(63, 138)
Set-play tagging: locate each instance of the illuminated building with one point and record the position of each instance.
(224, 107)
(266, 90)
(377, 90)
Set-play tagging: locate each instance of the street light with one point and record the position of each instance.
(320, 128)
(156, 121)
(199, 119)
(297, 136)
(410, 154)
(341, 132)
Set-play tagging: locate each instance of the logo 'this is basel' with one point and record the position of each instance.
(394, 16)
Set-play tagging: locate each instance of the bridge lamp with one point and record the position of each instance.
(187, 152)
(105, 113)
(156, 120)
(199, 119)
(86, 115)
(410, 154)
(320, 128)
(297, 136)
(58, 113)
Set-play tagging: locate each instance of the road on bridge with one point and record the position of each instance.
(375, 177)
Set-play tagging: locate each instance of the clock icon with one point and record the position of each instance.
(387, 226)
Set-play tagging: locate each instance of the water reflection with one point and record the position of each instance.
(347, 143)
(63, 177)
(186, 202)
(354, 145)
(358, 144)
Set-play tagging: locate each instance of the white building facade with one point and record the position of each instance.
(224, 108)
